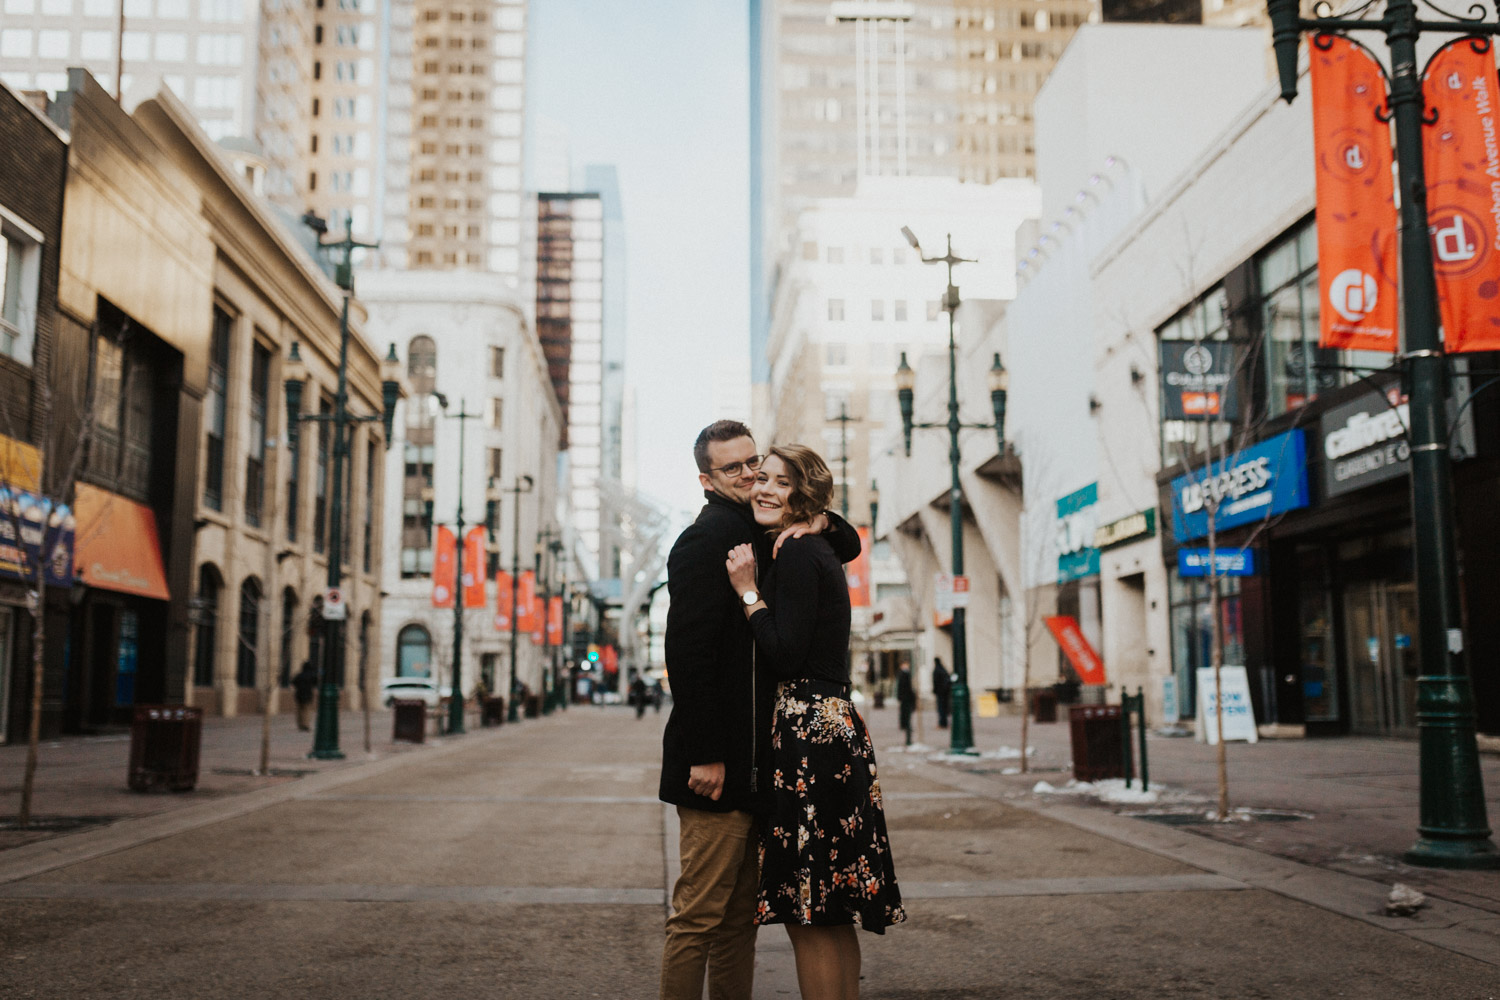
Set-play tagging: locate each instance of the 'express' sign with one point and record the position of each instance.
(1260, 481)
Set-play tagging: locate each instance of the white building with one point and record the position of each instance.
(464, 336)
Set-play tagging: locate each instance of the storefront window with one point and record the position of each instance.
(1192, 634)
(1320, 675)
(206, 620)
(1296, 368)
(413, 652)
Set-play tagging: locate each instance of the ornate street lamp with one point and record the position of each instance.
(456, 695)
(963, 724)
(294, 375)
(523, 485)
(1453, 830)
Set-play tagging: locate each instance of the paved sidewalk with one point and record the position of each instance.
(1347, 804)
(533, 861)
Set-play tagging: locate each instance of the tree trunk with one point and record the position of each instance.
(1217, 658)
(1025, 704)
(266, 701)
(38, 639)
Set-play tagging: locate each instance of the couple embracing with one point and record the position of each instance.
(766, 759)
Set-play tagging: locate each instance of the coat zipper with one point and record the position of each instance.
(754, 706)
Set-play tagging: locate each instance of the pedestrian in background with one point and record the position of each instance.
(303, 686)
(942, 690)
(719, 726)
(906, 698)
(637, 692)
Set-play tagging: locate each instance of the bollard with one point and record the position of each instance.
(1134, 703)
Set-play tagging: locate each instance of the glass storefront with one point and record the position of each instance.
(1193, 634)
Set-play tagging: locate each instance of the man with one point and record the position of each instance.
(942, 689)
(719, 727)
(906, 698)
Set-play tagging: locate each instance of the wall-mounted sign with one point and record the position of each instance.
(1227, 562)
(1076, 554)
(1141, 524)
(1364, 440)
(1076, 648)
(35, 533)
(1260, 481)
(1197, 380)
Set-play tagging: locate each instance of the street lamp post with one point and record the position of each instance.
(456, 695)
(1453, 830)
(523, 485)
(844, 420)
(544, 582)
(294, 372)
(554, 697)
(963, 724)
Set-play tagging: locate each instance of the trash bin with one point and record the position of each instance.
(533, 706)
(1098, 743)
(493, 711)
(1044, 705)
(164, 745)
(409, 720)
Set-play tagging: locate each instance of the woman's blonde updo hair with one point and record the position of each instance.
(812, 482)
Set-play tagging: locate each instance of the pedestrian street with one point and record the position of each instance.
(532, 861)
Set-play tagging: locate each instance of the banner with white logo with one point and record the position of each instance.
(1356, 198)
(1462, 156)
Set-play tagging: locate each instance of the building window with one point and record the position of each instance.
(216, 409)
(877, 310)
(835, 255)
(877, 255)
(496, 463)
(836, 309)
(367, 547)
(293, 479)
(248, 644)
(124, 390)
(836, 355)
(900, 311)
(934, 309)
(255, 450)
(494, 414)
(206, 625)
(321, 475)
(20, 277)
(1192, 633)
(497, 362)
(419, 454)
(413, 652)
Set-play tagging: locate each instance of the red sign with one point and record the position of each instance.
(444, 565)
(527, 613)
(1356, 198)
(543, 625)
(473, 578)
(503, 596)
(1076, 648)
(1462, 157)
(554, 621)
(1200, 404)
(858, 572)
(611, 660)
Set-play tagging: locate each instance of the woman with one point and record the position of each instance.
(825, 860)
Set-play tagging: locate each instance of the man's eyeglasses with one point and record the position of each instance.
(733, 469)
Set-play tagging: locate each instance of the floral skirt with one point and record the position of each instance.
(825, 858)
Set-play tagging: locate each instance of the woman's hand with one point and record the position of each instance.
(741, 567)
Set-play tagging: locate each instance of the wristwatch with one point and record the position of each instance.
(751, 598)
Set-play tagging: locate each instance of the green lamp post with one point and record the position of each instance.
(456, 694)
(523, 485)
(963, 725)
(294, 376)
(1453, 830)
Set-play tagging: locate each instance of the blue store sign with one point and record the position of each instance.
(1254, 483)
(1230, 562)
(1076, 527)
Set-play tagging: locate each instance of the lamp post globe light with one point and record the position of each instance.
(962, 727)
(294, 376)
(1453, 830)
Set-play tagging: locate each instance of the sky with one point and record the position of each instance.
(659, 89)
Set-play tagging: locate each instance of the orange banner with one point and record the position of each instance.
(1462, 157)
(1356, 198)
(543, 631)
(858, 572)
(503, 597)
(528, 617)
(1076, 648)
(444, 565)
(554, 621)
(473, 578)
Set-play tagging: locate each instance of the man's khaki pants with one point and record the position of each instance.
(712, 926)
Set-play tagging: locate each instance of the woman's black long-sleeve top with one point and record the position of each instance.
(804, 630)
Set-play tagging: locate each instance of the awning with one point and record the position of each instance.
(117, 547)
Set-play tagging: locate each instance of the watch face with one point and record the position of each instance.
(751, 597)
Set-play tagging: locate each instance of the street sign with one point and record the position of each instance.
(1239, 715)
(334, 607)
(960, 595)
(1227, 562)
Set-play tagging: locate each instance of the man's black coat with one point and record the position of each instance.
(721, 703)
